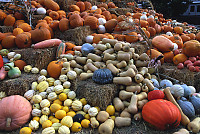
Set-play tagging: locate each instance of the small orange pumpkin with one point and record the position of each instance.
(40, 34)
(9, 20)
(185, 37)
(91, 21)
(114, 16)
(178, 30)
(54, 24)
(192, 36)
(177, 39)
(144, 23)
(50, 4)
(73, 8)
(63, 24)
(107, 15)
(136, 15)
(191, 48)
(48, 19)
(23, 40)
(54, 15)
(25, 27)
(131, 37)
(70, 52)
(75, 20)
(198, 36)
(8, 41)
(20, 64)
(98, 11)
(153, 53)
(179, 58)
(99, 37)
(18, 22)
(168, 56)
(54, 68)
(2, 16)
(152, 31)
(19, 16)
(168, 28)
(88, 5)
(69, 45)
(17, 31)
(42, 24)
(110, 25)
(157, 28)
(81, 5)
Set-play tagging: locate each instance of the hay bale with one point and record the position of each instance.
(6, 29)
(64, 4)
(140, 47)
(119, 11)
(96, 94)
(39, 58)
(18, 85)
(76, 35)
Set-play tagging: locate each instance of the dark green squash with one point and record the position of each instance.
(78, 118)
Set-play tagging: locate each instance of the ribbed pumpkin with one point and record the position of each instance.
(81, 5)
(17, 31)
(9, 20)
(91, 21)
(54, 68)
(162, 43)
(48, 19)
(19, 16)
(25, 27)
(156, 94)
(153, 53)
(179, 58)
(40, 34)
(2, 15)
(64, 24)
(110, 25)
(168, 28)
(191, 48)
(2, 36)
(132, 37)
(152, 31)
(18, 22)
(75, 20)
(54, 15)
(50, 4)
(15, 111)
(73, 8)
(162, 114)
(185, 37)
(178, 30)
(42, 24)
(8, 42)
(23, 40)
(54, 24)
(88, 5)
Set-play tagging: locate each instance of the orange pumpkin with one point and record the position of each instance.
(185, 37)
(191, 48)
(48, 19)
(152, 31)
(168, 56)
(144, 23)
(131, 37)
(153, 53)
(178, 30)
(158, 28)
(107, 15)
(25, 27)
(136, 15)
(70, 52)
(198, 36)
(111, 5)
(40, 34)
(177, 39)
(61, 12)
(54, 15)
(162, 43)
(121, 18)
(121, 37)
(192, 36)
(63, 24)
(69, 45)
(179, 58)
(103, 5)
(81, 5)
(15, 111)
(40, 21)
(2, 36)
(9, 20)
(54, 24)
(168, 28)
(42, 24)
(110, 25)
(151, 22)
(114, 16)
(50, 4)
(54, 68)
(20, 64)
(75, 20)
(99, 37)
(19, 16)
(73, 8)
(91, 21)
(18, 22)
(17, 31)
(2, 16)
(23, 40)
(8, 41)
(88, 5)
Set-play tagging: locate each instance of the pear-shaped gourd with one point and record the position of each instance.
(187, 107)
(86, 49)
(13, 72)
(196, 103)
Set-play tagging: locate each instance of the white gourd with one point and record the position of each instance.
(58, 89)
(52, 96)
(86, 108)
(67, 121)
(48, 130)
(17, 57)
(36, 106)
(43, 94)
(71, 95)
(64, 130)
(11, 55)
(101, 29)
(2, 95)
(92, 111)
(41, 78)
(41, 11)
(34, 85)
(36, 99)
(63, 78)
(77, 105)
(102, 21)
(66, 91)
(51, 81)
(169, 34)
(57, 82)
(29, 94)
(66, 64)
(33, 125)
(56, 126)
(27, 68)
(43, 72)
(143, 17)
(94, 7)
(50, 89)
(36, 112)
(66, 84)
(43, 118)
(177, 90)
(46, 111)
(68, 102)
(71, 75)
(192, 89)
(34, 70)
(89, 39)
(45, 103)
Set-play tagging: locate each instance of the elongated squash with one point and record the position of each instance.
(47, 43)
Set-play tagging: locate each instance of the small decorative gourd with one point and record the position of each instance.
(33, 125)
(71, 75)
(25, 130)
(45, 111)
(45, 103)
(57, 82)
(11, 55)
(67, 121)
(58, 89)
(187, 107)
(36, 106)
(29, 94)
(2, 95)
(196, 103)
(63, 130)
(56, 126)
(34, 70)
(68, 102)
(50, 89)
(27, 68)
(43, 95)
(155, 83)
(66, 84)
(51, 81)
(71, 95)
(93, 111)
(86, 108)
(42, 86)
(86, 49)
(37, 99)
(102, 76)
(76, 105)
(41, 78)
(48, 130)
(34, 86)
(52, 96)
(36, 112)
(63, 78)
(177, 90)
(43, 72)
(165, 83)
(187, 90)
(89, 39)
(43, 118)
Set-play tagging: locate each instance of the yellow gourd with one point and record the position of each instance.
(62, 97)
(94, 122)
(71, 113)
(51, 117)
(66, 109)
(55, 120)
(76, 127)
(36, 118)
(68, 102)
(85, 123)
(55, 107)
(37, 99)
(87, 116)
(83, 101)
(43, 118)
(58, 101)
(111, 110)
(60, 114)
(46, 124)
(42, 86)
(67, 121)
(51, 81)
(25, 130)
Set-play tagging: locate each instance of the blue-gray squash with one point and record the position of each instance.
(155, 83)
(187, 90)
(86, 49)
(196, 103)
(102, 76)
(187, 107)
(165, 83)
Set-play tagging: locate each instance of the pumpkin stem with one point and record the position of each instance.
(8, 122)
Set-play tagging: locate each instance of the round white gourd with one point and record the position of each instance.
(43, 94)
(71, 95)
(102, 21)
(43, 72)
(63, 78)
(71, 75)
(41, 11)
(86, 108)
(101, 29)
(46, 111)
(57, 82)
(36, 112)
(177, 90)
(92, 111)
(45, 103)
(58, 89)
(36, 99)
(94, 7)
(52, 96)
(68, 102)
(41, 78)
(33, 125)
(66, 84)
(89, 39)
(63, 130)
(50, 89)
(143, 17)
(29, 94)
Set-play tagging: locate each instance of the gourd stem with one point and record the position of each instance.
(8, 122)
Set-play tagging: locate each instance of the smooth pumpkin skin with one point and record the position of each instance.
(54, 68)
(179, 58)
(17, 108)
(153, 53)
(191, 48)
(162, 114)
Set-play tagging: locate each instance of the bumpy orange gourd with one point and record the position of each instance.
(17, 31)
(50, 4)
(92, 22)
(25, 27)
(54, 68)
(9, 20)
(131, 37)
(8, 42)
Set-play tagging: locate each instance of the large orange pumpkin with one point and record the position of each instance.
(2, 36)
(162, 114)
(179, 58)
(40, 34)
(23, 40)
(54, 68)
(63, 24)
(91, 21)
(15, 111)
(75, 20)
(162, 43)
(191, 48)
(8, 41)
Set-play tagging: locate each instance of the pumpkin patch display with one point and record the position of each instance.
(54, 68)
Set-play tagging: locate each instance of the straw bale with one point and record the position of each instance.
(119, 11)
(140, 47)
(6, 29)
(39, 58)
(76, 35)
(18, 85)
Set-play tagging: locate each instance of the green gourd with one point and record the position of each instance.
(13, 72)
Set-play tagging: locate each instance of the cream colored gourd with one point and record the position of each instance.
(84, 76)
(110, 51)
(56, 126)
(112, 68)
(182, 131)
(106, 127)
(143, 71)
(63, 130)
(36, 99)
(57, 82)
(27, 68)
(66, 84)
(94, 123)
(51, 81)
(194, 125)
(41, 78)
(132, 108)
(42, 86)
(149, 84)
(78, 71)
(81, 112)
(36, 112)
(34, 86)
(67, 121)
(122, 122)
(43, 95)
(58, 89)
(134, 88)
(43, 118)
(93, 111)
(81, 60)
(43, 72)
(52, 96)
(141, 103)
(136, 56)
(125, 113)
(48, 130)
(141, 96)
(68, 102)
(66, 91)
(45, 103)
(102, 116)
(33, 125)
(63, 78)
(118, 104)
(77, 105)
(29, 94)
(46, 111)
(86, 108)
(50, 89)
(17, 57)
(71, 95)
(118, 46)
(34, 70)
(123, 95)
(71, 75)
(130, 72)
(11, 55)
(74, 64)
(140, 63)
(123, 80)
(36, 106)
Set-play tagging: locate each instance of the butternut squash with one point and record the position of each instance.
(91, 67)
(118, 104)
(122, 64)
(132, 108)
(136, 56)
(118, 46)
(134, 88)
(122, 121)
(138, 78)
(143, 71)
(141, 96)
(123, 95)
(81, 60)
(110, 41)
(84, 76)
(106, 127)
(123, 80)
(110, 51)
(101, 47)
(144, 57)
(113, 69)
(94, 57)
(141, 103)
(126, 103)
(123, 56)
(108, 56)
(130, 72)
(102, 116)
(194, 125)
(140, 63)
(125, 113)
(74, 64)
(114, 62)
(94, 122)
(148, 83)
(182, 131)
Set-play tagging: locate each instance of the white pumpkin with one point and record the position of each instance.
(177, 90)
(102, 21)
(17, 57)
(57, 82)
(71, 75)
(52, 96)
(71, 95)
(33, 125)
(68, 102)
(48, 130)
(63, 78)
(94, 7)
(43, 72)
(77, 105)
(101, 29)
(41, 11)
(86, 108)
(63, 130)
(41, 78)
(29, 94)
(92, 111)
(58, 89)
(36, 112)
(89, 39)
(56, 126)
(143, 17)
(45, 103)
(66, 84)
(46, 111)
(43, 94)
